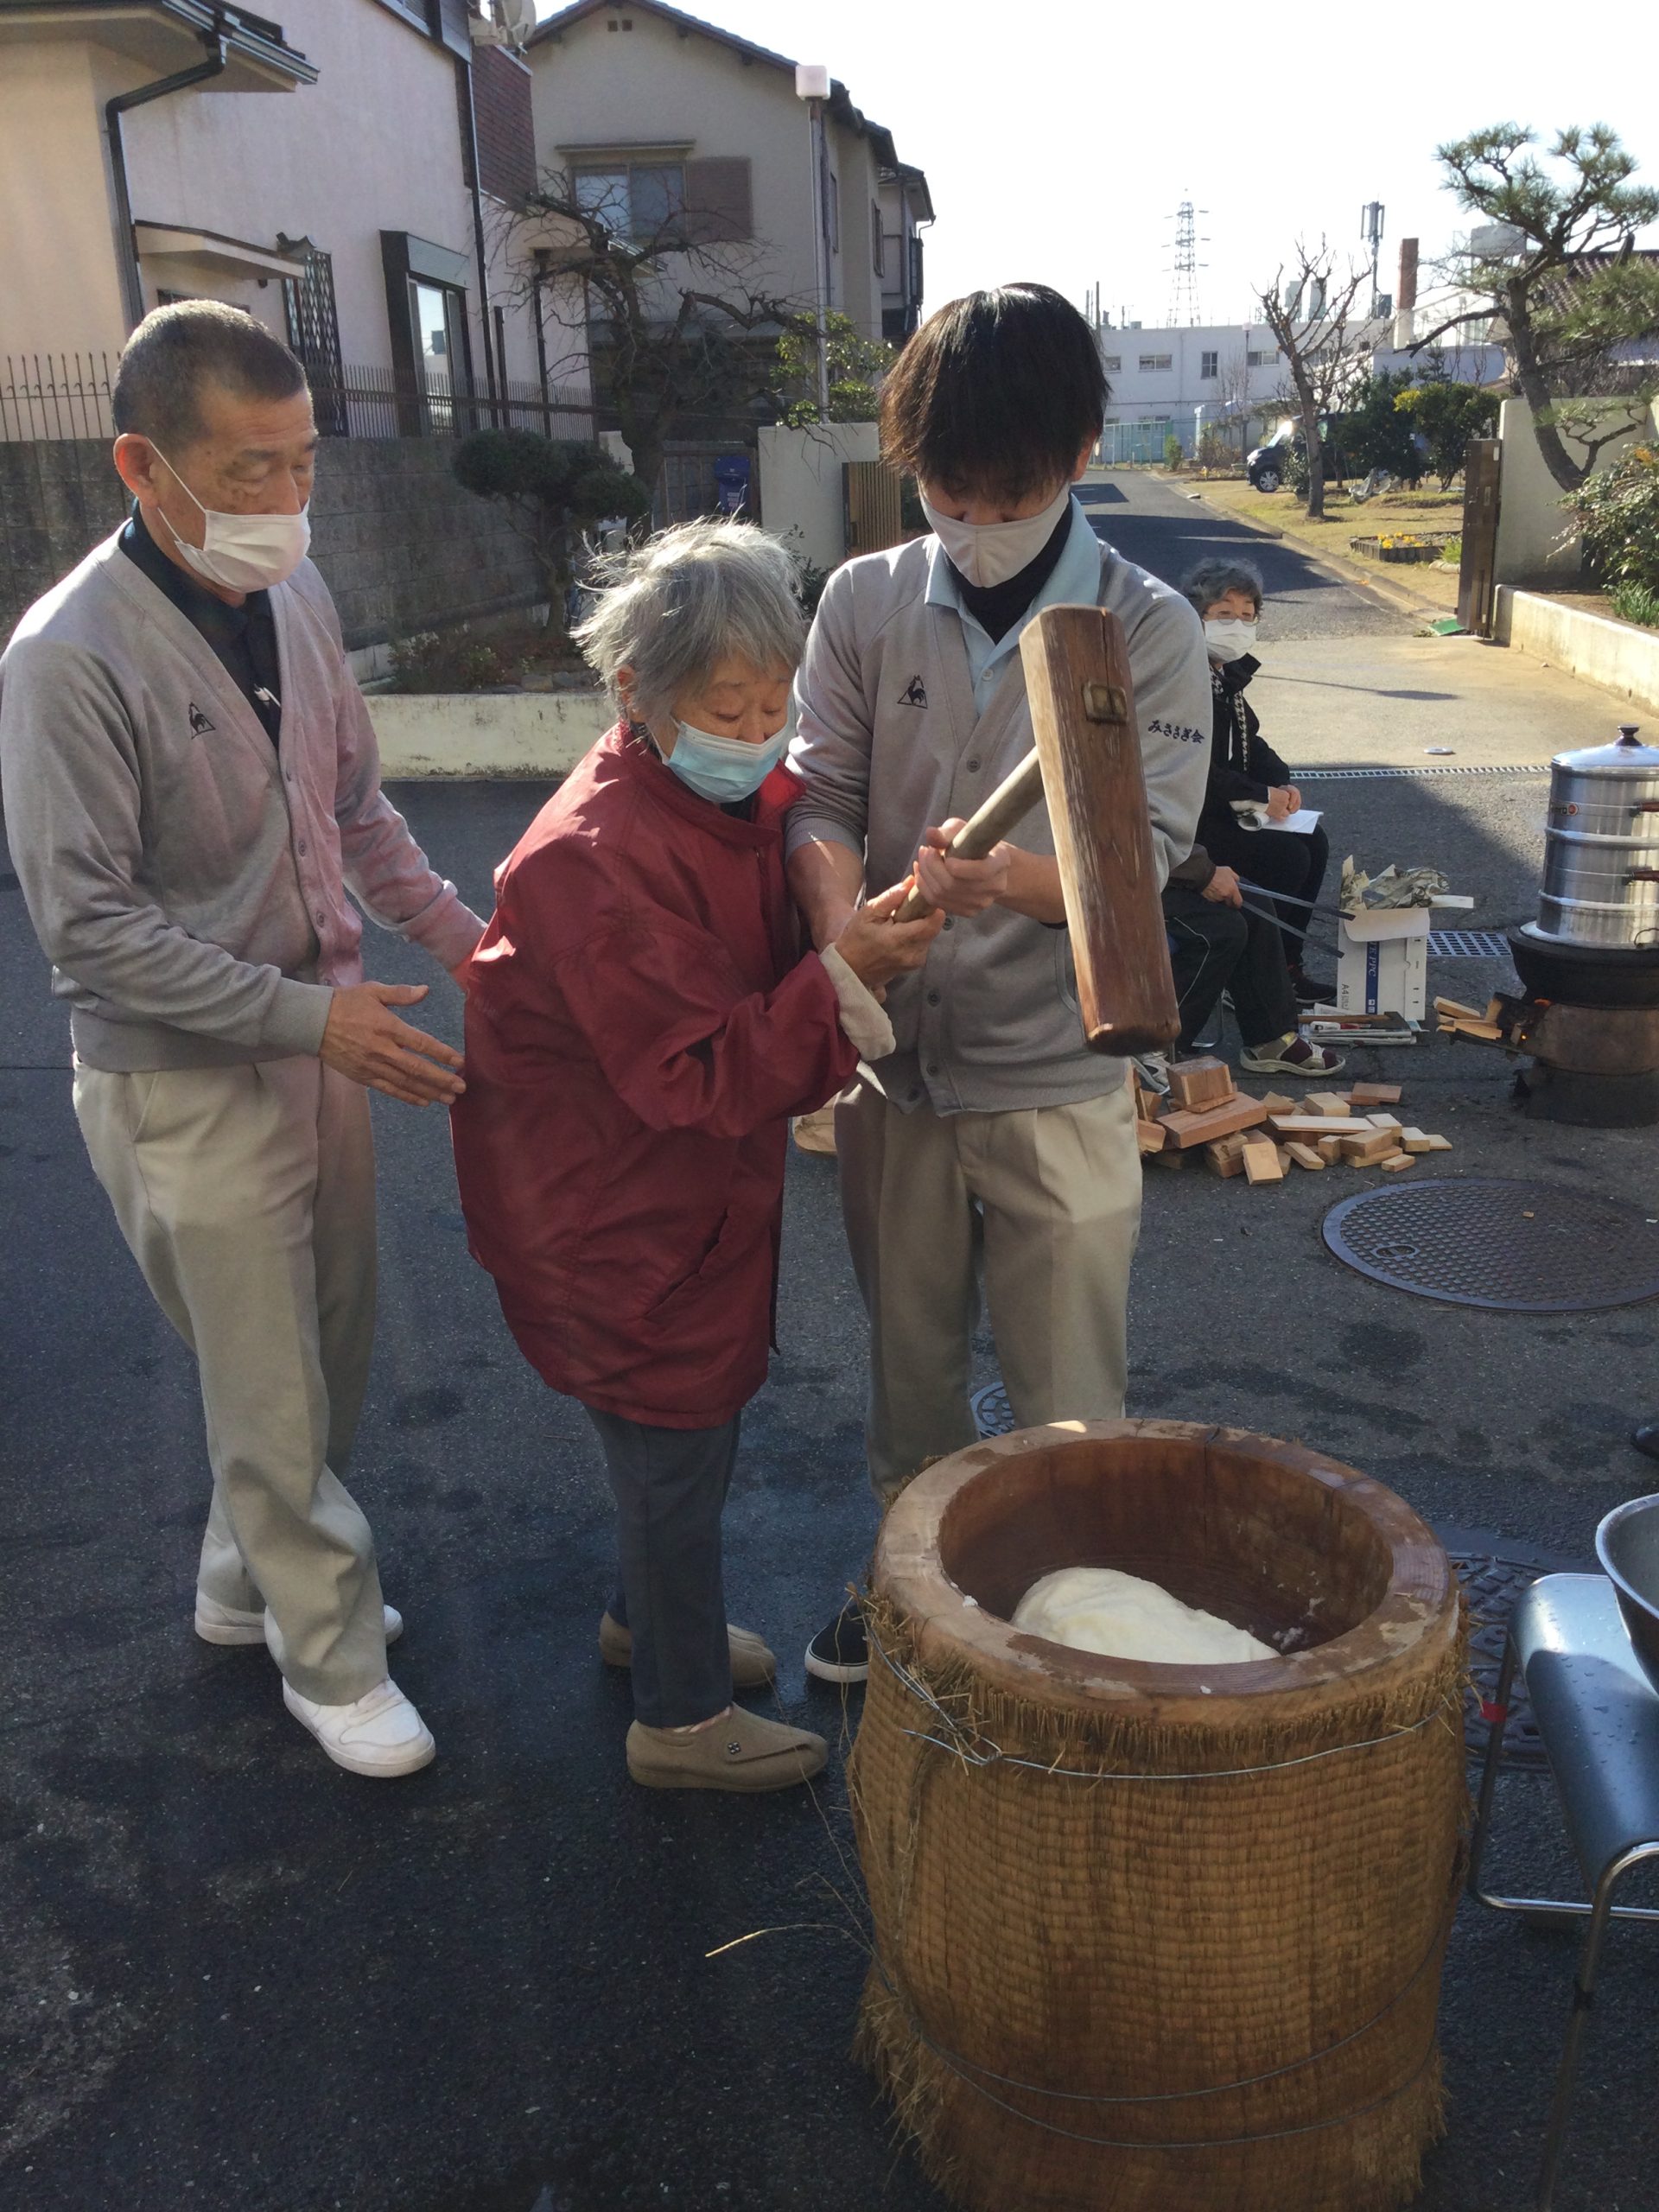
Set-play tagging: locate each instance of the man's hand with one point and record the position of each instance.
(876, 948)
(961, 887)
(1223, 888)
(1283, 800)
(368, 1042)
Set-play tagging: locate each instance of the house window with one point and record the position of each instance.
(1209, 364)
(1154, 364)
(313, 335)
(636, 200)
(1261, 360)
(443, 363)
(877, 245)
(1111, 363)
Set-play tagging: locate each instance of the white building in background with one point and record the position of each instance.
(1189, 375)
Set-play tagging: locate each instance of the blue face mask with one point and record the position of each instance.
(723, 769)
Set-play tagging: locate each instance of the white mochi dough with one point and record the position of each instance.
(1125, 1616)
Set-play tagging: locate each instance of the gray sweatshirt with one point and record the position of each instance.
(187, 879)
(889, 742)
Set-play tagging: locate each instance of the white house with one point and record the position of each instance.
(1187, 375)
(650, 109)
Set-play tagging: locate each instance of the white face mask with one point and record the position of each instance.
(1229, 641)
(242, 552)
(991, 552)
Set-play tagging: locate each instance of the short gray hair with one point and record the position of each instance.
(177, 350)
(671, 608)
(1213, 579)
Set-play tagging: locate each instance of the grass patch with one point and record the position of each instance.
(1635, 603)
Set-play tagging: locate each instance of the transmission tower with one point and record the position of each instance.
(1183, 289)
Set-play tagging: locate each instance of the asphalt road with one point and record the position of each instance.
(239, 1979)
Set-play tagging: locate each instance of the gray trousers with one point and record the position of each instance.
(670, 1486)
(1048, 1201)
(246, 1195)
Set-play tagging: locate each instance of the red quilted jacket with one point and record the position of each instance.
(640, 1024)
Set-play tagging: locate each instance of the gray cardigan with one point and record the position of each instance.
(888, 744)
(187, 878)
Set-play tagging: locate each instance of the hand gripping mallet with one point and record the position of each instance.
(1087, 763)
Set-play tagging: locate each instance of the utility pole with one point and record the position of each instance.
(1371, 229)
(812, 86)
(1184, 295)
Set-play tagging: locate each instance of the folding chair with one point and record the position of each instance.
(1598, 1715)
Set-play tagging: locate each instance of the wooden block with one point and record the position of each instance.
(1171, 1156)
(1276, 1103)
(1494, 1010)
(1328, 1149)
(1413, 1141)
(1395, 1161)
(1373, 1093)
(1196, 1084)
(1261, 1164)
(1149, 1135)
(1226, 1157)
(1305, 1156)
(1457, 1009)
(1383, 1120)
(1313, 1125)
(1368, 1146)
(1283, 1151)
(1185, 1128)
(1329, 1102)
(1485, 1033)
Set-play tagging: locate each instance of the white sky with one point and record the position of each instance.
(1057, 135)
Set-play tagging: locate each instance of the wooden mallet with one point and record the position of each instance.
(1088, 764)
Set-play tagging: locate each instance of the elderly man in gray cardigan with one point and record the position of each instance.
(191, 786)
(990, 1137)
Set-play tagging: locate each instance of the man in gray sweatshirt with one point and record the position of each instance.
(191, 786)
(990, 1137)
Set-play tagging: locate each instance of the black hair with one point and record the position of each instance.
(177, 350)
(998, 393)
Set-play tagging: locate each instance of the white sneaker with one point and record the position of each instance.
(216, 1624)
(1153, 1071)
(381, 1734)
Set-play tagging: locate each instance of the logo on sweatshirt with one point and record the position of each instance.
(914, 693)
(199, 724)
(1181, 732)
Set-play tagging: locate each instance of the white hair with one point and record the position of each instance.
(674, 607)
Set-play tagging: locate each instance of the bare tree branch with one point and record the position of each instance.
(1310, 326)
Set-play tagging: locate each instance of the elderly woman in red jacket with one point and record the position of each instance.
(641, 1022)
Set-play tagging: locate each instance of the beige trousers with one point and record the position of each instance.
(246, 1195)
(1048, 1200)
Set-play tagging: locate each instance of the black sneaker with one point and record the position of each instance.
(840, 1653)
(1308, 992)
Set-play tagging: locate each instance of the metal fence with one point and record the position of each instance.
(57, 396)
(1123, 445)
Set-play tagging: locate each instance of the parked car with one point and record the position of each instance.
(1268, 465)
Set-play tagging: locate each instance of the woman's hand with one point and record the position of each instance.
(1223, 888)
(876, 948)
(1283, 800)
(961, 887)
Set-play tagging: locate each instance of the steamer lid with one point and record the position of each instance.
(1626, 756)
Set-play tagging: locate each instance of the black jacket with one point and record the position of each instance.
(1242, 764)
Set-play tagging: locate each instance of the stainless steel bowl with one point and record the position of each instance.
(1627, 1544)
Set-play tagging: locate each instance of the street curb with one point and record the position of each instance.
(1346, 571)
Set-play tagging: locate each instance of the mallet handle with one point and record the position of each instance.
(1007, 807)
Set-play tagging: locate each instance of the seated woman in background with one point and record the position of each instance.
(1245, 768)
(641, 1023)
(1215, 945)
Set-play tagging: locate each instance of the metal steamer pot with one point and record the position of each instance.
(1601, 847)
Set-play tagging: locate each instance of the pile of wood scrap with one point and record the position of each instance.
(1205, 1115)
(1502, 1023)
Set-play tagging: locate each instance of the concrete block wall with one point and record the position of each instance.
(400, 544)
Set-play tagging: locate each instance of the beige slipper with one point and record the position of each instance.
(741, 1751)
(752, 1665)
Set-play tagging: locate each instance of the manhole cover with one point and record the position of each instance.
(993, 1414)
(1499, 1243)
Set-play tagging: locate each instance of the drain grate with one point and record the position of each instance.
(1496, 1242)
(1468, 945)
(1357, 775)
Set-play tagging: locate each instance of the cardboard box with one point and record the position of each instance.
(1382, 962)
